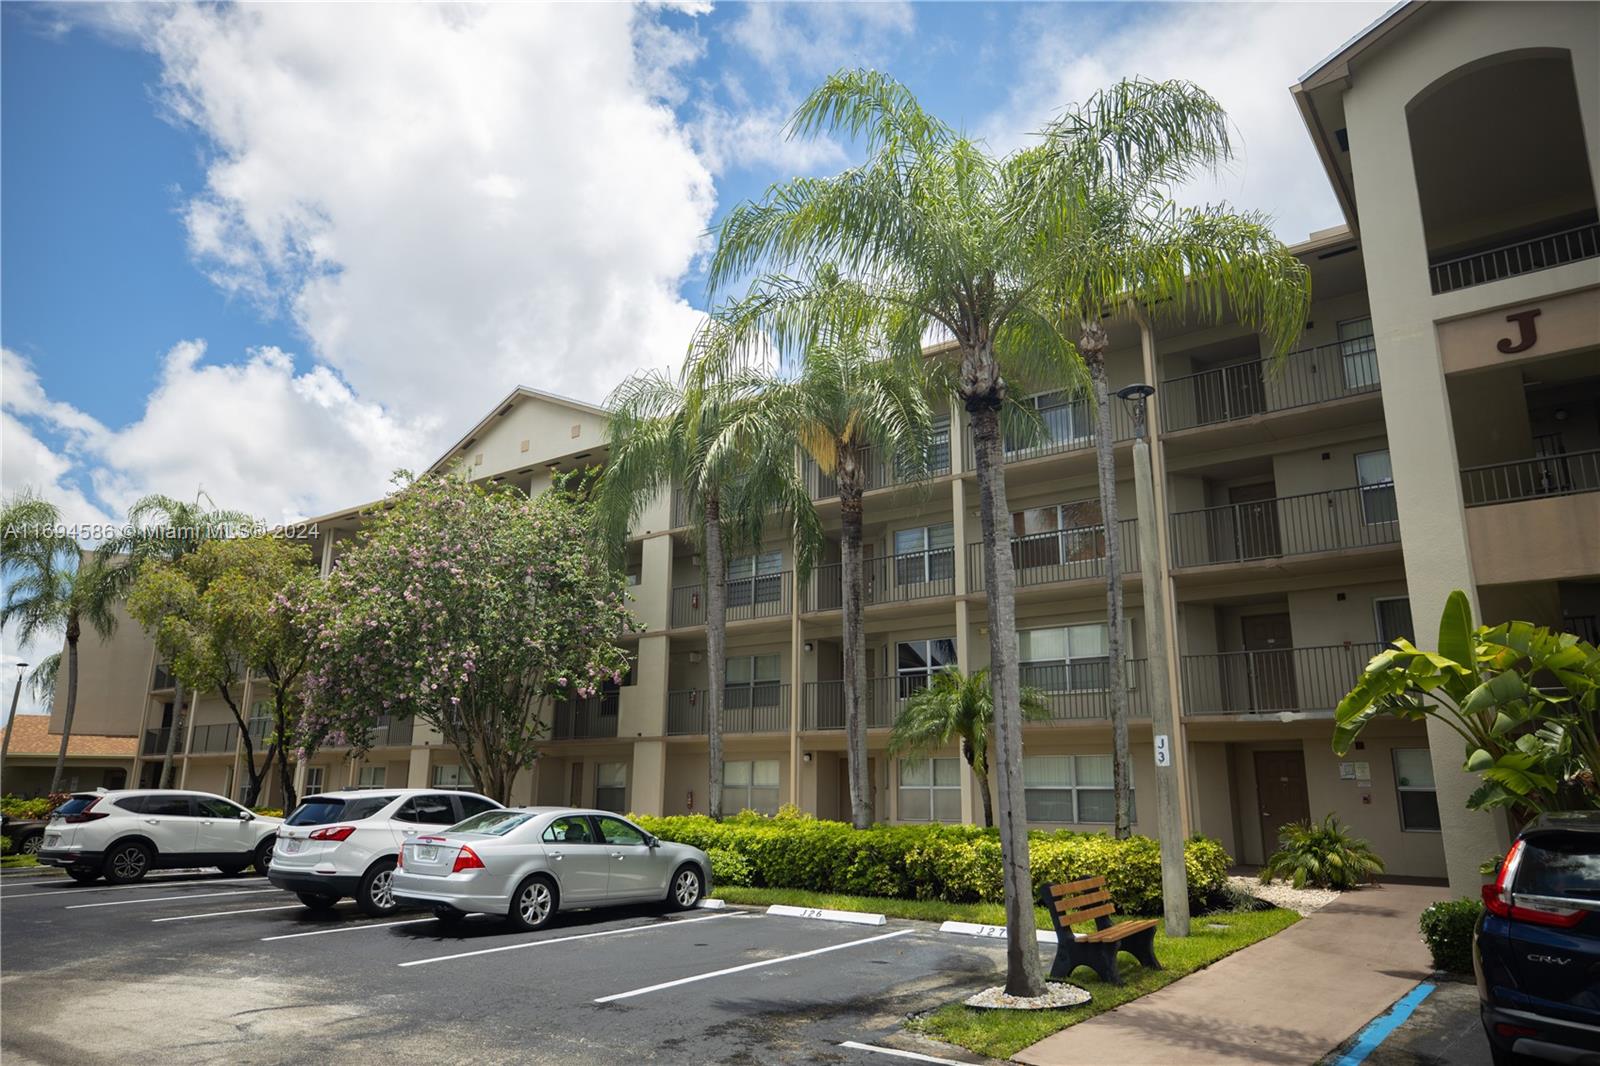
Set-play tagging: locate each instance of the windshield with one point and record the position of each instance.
(320, 810)
(76, 804)
(492, 823)
(1560, 866)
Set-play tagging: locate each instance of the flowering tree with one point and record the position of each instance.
(471, 609)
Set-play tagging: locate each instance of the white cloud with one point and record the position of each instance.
(807, 39)
(1247, 55)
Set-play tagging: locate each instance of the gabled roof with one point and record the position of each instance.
(521, 392)
(33, 737)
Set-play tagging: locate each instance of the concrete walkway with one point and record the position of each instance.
(1290, 999)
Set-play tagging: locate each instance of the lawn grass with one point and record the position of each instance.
(8, 862)
(920, 910)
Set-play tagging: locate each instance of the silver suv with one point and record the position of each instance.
(123, 835)
(345, 844)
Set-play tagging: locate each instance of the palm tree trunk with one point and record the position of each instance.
(73, 632)
(172, 734)
(716, 576)
(1093, 346)
(1024, 974)
(855, 647)
(982, 775)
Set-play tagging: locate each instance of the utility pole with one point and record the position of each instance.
(1169, 819)
(5, 746)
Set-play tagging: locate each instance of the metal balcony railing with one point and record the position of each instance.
(394, 733)
(763, 596)
(1527, 479)
(1067, 428)
(1518, 257)
(757, 707)
(585, 719)
(1314, 522)
(1310, 376)
(880, 471)
(155, 742)
(1077, 691)
(824, 702)
(1061, 555)
(1310, 679)
(222, 737)
(899, 578)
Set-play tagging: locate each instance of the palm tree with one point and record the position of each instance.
(53, 585)
(945, 239)
(1136, 253)
(844, 403)
(959, 706)
(161, 528)
(662, 433)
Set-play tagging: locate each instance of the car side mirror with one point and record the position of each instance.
(652, 842)
(246, 816)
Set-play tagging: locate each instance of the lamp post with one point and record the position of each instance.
(1169, 821)
(5, 745)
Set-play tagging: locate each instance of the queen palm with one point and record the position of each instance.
(957, 706)
(949, 240)
(845, 402)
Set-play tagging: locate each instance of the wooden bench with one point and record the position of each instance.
(1079, 901)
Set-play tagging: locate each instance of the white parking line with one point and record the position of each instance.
(165, 899)
(147, 883)
(897, 1053)
(348, 929)
(219, 914)
(758, 964)
(668, 923)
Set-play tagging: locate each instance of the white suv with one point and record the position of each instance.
(124, 835)
(338, 844)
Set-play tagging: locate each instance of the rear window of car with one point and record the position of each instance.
(492, 823)
(320, 810)
(75, 805)
(1560, 866)
(134, 804)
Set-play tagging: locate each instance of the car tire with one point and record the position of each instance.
(83, 877)
(231, 869)
(315, 902)
(687, 887)
(31, 844)
(449, 915)
(127, 862)
(263, 855)
(375, 896)
(533, 904)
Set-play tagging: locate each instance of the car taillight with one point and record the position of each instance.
(333, 832)
(1499, 900)
(85, 815)
(400, 860)
(467, 859)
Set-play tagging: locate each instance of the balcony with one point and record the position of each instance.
(222, 738)
(1061, 555)
(1069, 427)
(1519, 257)
(880, 471)
(917, 575)
(762, 596)
(1529, 479)
(1237, 391)
(1356, 517)
(761, 707)
(394, 733)
(585, 719)
(155, 742)
(1073, 693)
(1276, 681)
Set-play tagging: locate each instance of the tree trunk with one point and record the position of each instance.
(172, 734)
(716, 577)
(1093, 346)
(255, 775)
(852, 590)
(1024, 974)
(982, 775)
(285, 775)
(73, 631)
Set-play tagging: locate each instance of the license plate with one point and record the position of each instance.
(52, 839)
(290, 847)
(426, 853)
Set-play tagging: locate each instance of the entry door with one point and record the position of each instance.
(1255, 518)
(1280, 794)
(1268, 645)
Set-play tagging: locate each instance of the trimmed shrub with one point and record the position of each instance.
(953, 863)
(1447, 928)
(37, 807)
(270, 812)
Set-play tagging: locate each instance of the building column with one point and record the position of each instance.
(648, 780)
(417, 772)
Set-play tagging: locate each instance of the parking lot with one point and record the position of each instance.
(198, 967)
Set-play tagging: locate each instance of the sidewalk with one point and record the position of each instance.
(1290, 999)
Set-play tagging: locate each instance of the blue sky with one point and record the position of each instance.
(277, 252)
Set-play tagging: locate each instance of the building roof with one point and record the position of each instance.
(521, 392)
(33, 737)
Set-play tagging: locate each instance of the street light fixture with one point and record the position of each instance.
(1135, 396)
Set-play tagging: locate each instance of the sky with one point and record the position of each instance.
(276, 252)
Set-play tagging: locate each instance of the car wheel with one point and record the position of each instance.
(533, 904)
(263, 857)
(31, 845)
(687, 885)
(448, 915)
(317, 903)
(127, 862)
(375, 897)
(84, 877)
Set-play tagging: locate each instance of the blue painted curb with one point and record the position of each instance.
(1378, 1030)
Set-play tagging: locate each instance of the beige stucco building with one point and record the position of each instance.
(1437, 427)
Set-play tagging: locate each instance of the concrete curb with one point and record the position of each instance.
(711, 905)
(783, 910)
(993, 932)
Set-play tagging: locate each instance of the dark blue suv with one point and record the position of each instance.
(1537, 948)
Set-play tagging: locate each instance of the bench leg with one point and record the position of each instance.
(1104, 962)
(1142, 946)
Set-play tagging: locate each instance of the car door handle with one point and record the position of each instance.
(556, 855)
(617, 855)
(152, 821)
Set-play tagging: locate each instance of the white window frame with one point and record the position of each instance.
(1377, 616)
(932, 788)
(757, 691)
(602, 791)
(1067, 663)
(1076, 786)
(1358, 350)
(450, 775)
(743, 794)
(1374, 489)
(915, 565)
(260, 712)
(1078, 417)
(372, 777)
(315, 777)
(1433, 790)
(904, 683)
(758, 576)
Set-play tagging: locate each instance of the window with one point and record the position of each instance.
(372, 777)
(1058, 533)
(494, 823)
(471, 805)
(1359, 355)
(1377, 487)
(925, 553)
(755, 579)
(451, 775)
(427, 810)
(611, 786)
(1394, 619)
(750, 786)
(938, 451)
(1064, 420)
(217, 808)
(616, 831)
(916, 661)
(1066, 658)
(569, 829)
(260, 724)
(930, 790)
(751, 681)
(320, 810)
(169, 806)
(1413, 780)
(313, 779)
(127, 803)
(1071, 788)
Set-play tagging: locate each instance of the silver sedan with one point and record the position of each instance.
(528, 862)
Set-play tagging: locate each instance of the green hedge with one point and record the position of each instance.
(37, 807)
(1447, 928)
(953, 863)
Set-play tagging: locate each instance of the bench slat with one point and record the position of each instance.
(1088, 899)
(1071, 887)
(1074, 917)
(1123, 929)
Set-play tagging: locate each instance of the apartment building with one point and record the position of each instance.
(1437, 427)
